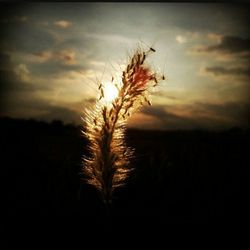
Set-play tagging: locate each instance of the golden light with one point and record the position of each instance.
(110, 92)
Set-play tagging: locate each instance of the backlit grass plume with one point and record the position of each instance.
(107, 167)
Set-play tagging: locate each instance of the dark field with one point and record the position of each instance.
(195, 176)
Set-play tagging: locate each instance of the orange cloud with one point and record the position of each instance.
(141, 120)
(63, 24)
(181, 39)
(67, 57)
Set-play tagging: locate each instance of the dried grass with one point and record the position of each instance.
(107, 167)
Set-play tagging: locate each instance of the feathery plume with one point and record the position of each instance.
(107, 167)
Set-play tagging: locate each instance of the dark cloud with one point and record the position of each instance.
(12, 87)
(8, 78)
(11, 84)
(54, 68)
(190, 16)
(54, 62)
(231, 44)
(165, 95)
(237, 112)
(203, 116)
(5, 62)
(220, 71)
(26, 105)
(187, 15)
(172, 121)
(27, 37)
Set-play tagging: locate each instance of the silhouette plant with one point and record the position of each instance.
(107, 166)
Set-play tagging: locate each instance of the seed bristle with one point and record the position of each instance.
(107, 165)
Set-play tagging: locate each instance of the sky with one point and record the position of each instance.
(52, 56)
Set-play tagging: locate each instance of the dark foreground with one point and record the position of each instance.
(197, 177)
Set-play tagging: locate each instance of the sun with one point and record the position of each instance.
(110, 92)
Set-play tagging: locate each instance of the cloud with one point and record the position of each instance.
(17, 78)
(191, 16)
(5, 62)
(28, 105)
(22, 72)
(37, 99)
(200, 115)
(144, 121)
(227, 75)
(22, 18)
(214, 37)
(15, 19)
(170, 120)
(231, 45)
(220, 71)
(53, 54)
(165, 95)
(60, 113)
(67, 57)
(236, 113)
(63, 24)
(233, 51)
(227, 46)
(49, 62)
(111, 37)
(12, 76)
(53, 68)
(181, 39)
(26, 37)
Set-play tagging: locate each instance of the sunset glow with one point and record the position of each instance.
(110, 92)
(54, 55)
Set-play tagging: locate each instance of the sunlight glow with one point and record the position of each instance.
(110, 92)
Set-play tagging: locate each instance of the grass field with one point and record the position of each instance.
(179, 176)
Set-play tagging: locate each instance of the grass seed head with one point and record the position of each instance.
(107, 166)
